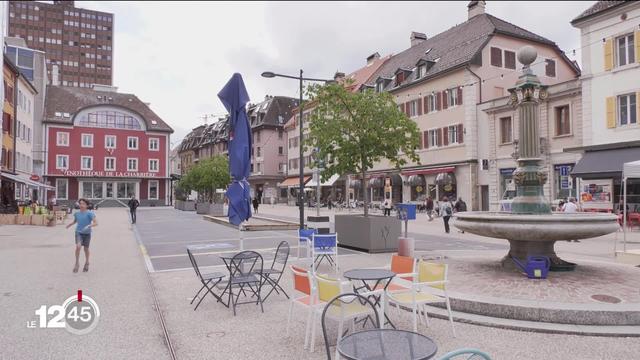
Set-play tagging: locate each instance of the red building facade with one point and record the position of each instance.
(106, 147)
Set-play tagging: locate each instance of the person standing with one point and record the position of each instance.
(133, 205)
(84, 221)
(446, 211)
(387, 207)
(255, 203)
(329, 202)
(429, 208)
(460, 206)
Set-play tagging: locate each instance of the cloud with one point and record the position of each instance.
(178, 55)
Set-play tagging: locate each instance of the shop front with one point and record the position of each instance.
(431, 182)
(290, 187)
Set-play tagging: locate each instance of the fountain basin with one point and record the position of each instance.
(536, 234)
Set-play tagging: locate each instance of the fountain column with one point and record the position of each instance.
(528, 176)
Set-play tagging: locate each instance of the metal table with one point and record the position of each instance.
(381, 344)
(370, 275)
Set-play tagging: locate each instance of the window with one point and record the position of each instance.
(154, 165)
(380, 86)
(259, 153)
(126, 190)
(413, 108)
(132, 143)
(280, 134)
(496, 56)
(86, 163)
(563, 120)
(62, 162)
(154, 144)
(506, 130)
(62, 185)
(452, 136)
(62, 138)
(625, 50)
(153, 189)
(509, 59)
(132, 164)
(420, 71)
(87, 140)
(550, 68)
(433, 138)
(431, 103)
(109, 164)
(280, 150)
(627, 109)
(110, 141)
(92, 189)
(452, 95)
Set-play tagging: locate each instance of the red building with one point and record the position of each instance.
(105, 146)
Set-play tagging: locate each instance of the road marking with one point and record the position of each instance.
(143, 250)
(208, 253)
(209, 240)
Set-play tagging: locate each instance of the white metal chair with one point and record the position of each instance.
(429, 286)
(305, 237)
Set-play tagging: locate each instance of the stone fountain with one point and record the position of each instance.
(531, 228)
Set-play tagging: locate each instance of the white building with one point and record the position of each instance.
(24, 138)
(610, 42)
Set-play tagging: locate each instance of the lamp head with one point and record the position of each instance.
(268, 74)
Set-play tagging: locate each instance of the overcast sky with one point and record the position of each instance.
(178, 55)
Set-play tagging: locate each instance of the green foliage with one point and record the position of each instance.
(355, 130)
(206, 176)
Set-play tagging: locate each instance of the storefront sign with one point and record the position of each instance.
(507, 171)
(564, 182)
(34, 177)
(117, 174)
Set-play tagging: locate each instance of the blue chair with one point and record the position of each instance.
(465, 354)
(324, 246)
(304, 236)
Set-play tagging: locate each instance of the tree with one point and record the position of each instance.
(207, 176)
(351, 131)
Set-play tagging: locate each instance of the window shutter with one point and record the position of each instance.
(419, 107)
(460, 130)
(439, 101)
(611, 112)
(459, 96)
(608, 54)
(445, 100)
(401, 107)
(407, 108)
(439, 132)
(425, 137)
(426, 104)
(636, 40)
(420, 142)
(445, 136)
(496, 56)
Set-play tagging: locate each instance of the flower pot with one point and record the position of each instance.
(372, 234)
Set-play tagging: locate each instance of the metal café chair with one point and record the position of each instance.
(245, 269)
(209, 281)
(304, 236)
(465, 354)
(273, 274)
(325, 246)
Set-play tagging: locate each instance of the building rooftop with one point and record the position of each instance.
(70, 100)
(597, 8)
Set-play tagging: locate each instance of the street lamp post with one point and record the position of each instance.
(269, 74)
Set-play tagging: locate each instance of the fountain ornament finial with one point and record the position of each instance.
(527, 55)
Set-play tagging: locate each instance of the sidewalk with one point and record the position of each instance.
(35, 270)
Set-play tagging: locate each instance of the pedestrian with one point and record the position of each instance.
(460, 206)
(436, 207)
(255, 203)
(429, 207)
(446, 211)
(387, 207)
(561, 205)
(329, 202)
(273, 201)
(84, 221)
(133, 205)
(570, 207)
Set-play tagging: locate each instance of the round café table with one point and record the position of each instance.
(369, 277)
(389, 344)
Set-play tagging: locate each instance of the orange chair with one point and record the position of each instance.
(405, 269)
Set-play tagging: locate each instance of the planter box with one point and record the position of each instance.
(185, 205)
(216, 209)
(8, 219)
(23, 219)
(202, 208)
(38, 220)
(371, 234)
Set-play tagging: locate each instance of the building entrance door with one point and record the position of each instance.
(109, 190)
(484, 197)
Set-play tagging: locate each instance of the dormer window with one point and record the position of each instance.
(399, 78)
(421, 70)
(380, 86)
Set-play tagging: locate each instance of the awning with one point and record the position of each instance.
(632, 169)
(605, 163)
(427, 171)
(329, 181)
(26, 181)
(293, 181)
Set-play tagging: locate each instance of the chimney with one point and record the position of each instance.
(417, 38)
(338, 76)
(105, 88)
(476, 7)
(55, 75)
(373, 57)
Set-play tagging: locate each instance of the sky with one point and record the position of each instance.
(178, 55)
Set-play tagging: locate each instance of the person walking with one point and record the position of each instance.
(133, 205)
(429, 208)
(329, 202)
(460, 206)
(387, 207)
(446, 211)
(84, 221)
(255, 203)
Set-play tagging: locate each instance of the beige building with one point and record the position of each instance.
(438, 82)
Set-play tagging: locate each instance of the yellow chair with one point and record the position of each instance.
(429, 286)
(328, 288)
